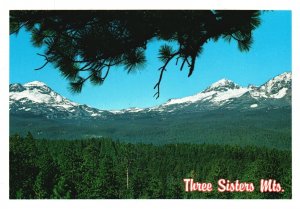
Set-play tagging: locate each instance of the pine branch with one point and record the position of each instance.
(18, 29)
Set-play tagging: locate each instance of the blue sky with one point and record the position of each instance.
(270, 55)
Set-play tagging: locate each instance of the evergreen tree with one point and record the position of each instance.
(96, 169)
(23, 166)
(62, 190)
(46, 178)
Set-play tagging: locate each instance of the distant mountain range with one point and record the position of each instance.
(36, 107)
(38, 99)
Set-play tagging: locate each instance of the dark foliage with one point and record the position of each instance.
(263, 128)
(107, 169)
(84, 45)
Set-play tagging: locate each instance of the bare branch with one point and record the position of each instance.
(96, 71)
(188, 62)
(232, 36)
(106, 74)
(47, 61)
(192, 66)
(86, 67)
(162, 70)
(177, 59)
(182, 65)
(87, 78)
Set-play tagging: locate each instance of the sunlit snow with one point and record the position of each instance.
(253, 105)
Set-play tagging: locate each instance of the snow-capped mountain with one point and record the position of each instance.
(38, 99)
(276, 88)
(217, 93)
(226, 94)
(252, 113)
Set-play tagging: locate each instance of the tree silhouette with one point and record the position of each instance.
(85, 45)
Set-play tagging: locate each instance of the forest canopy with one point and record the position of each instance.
(85, 45)
(103, 168)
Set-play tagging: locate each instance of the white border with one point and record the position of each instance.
(143, 4)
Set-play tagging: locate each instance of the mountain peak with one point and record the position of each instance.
(278, 86)
(222, 82)
(38, 86)
(222, 85)
(35, 83)
(224, 90)
(37, 98)
(284, 76)
(36, 92)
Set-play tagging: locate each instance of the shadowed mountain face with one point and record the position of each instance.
(224, 113)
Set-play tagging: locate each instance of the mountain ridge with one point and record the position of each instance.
(223, 114)
(34, 95)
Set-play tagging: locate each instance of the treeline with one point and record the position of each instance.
(103, 168)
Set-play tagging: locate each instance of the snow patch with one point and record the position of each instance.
(191, 99)
(253, 105)
(222, 82)
(34, 83)
(258, 94)
(134, 109)
(232, 93)
(116, 111)
(212, 96)
(281, 93)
